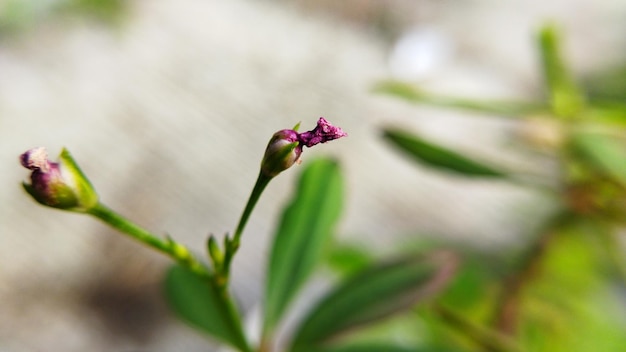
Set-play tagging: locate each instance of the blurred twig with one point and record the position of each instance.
(488, 339)
(507, 309)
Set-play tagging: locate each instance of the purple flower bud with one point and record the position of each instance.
(285, 147)
(59, 185)
(282, 151)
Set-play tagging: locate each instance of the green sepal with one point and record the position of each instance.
(279, 160)
(85, 194)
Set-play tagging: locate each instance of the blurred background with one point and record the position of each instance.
(168, 106)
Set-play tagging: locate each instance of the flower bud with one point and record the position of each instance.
(282, 151)
(59, 185)
(216, 254)
(285, 147)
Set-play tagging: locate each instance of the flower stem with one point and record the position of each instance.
(232, 245)
(173, 249)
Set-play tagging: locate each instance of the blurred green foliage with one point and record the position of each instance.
(17, 16)
(565, 291)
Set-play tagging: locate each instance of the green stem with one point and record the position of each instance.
(232, 245)
(261, 182)
(173, 249)
(488, 339)
(507, 309)
(507, 108)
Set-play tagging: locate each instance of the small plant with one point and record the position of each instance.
(199, 292)
(561, 294)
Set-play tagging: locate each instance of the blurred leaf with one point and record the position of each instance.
(606, 153)
(305, 228)
(409, 93)
(607, 114)
(379, 347)
(483, 336)
(566, 98)
(608, 85)
(573, 307)
(402, 332)
(439, 157)
(348, 259)
(110, 11)
(470, 285)
(201, 304)
(374, 294)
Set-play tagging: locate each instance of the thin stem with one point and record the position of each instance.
(488, 339)
(232, 245)
(173, 249)
(261, 182)
(507, 311)
(508, 108)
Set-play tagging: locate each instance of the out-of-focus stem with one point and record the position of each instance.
(488, 339)
(507, 310)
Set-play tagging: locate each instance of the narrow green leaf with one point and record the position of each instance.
(374, 294)
(606, 153)
(411, 94)
(202, 305)
(439, 157)
(371, 347)
(305, 227)
(566, 97)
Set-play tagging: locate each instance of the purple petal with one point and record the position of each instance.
(322, 133)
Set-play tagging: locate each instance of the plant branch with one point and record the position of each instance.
(488, 339)
(173, 249)
(507, 311)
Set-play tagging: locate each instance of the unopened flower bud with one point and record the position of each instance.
(59, 185)
(282, 151)
(216, 254)
(285, 147)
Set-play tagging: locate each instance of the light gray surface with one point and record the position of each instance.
(169, 116)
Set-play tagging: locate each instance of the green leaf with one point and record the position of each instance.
(305, 228)
(374, 294)
(606, 153)
(574, 305)
(439, 157)
(411, 94)
(607, 85)
(201, 304)
(348, 259)
(566, 97)
(378, 347)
